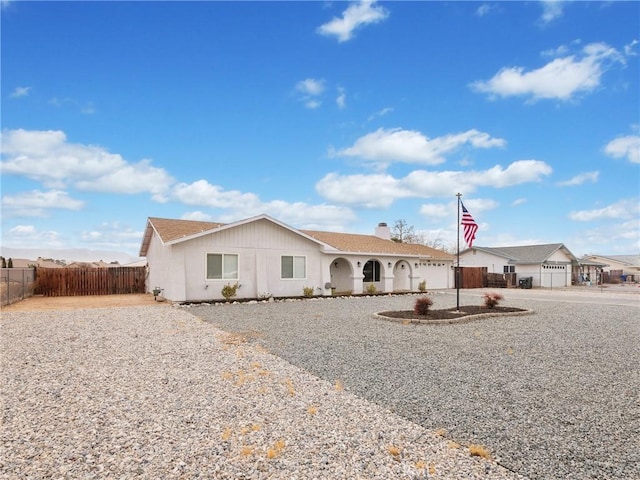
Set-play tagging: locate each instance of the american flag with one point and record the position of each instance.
(470, 226)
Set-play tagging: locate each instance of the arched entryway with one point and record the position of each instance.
(402, 276)
(341, 276)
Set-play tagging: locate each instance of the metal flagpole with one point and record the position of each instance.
(458, 258)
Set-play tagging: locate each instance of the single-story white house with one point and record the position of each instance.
(549, 265)
(193, 260)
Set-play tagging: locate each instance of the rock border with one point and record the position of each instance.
(450, 321)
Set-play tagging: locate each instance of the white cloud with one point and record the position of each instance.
(485, 9)
(629, 49)
(356, 15)
(312, 104)
(435, 210)
(580, 179)
(112, 235)
(23, 230)
(36, 203)
(47, 157)
(628, 146)
(551, 10)
(560, 79)
(24, 236)
(369, 191)
(310, 86)
(19, 92)
(626, 209)
(341, 99)
(518, 201)
(382, 190)
(240, 205)
(85, 108)
(198, 216)
(202, 193)
(444, 210)
(309, 90)
(380, 113)
(131, 179)
(409, 146)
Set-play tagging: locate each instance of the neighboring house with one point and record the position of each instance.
(550, 265)
(625, 267)
(589, 272)
(98, 264)
(40, 262)
(192, 260)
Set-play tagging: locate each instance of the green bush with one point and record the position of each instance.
(229, 291)
(422, 306)
(371, 289)
(422, 286)
(307, 291)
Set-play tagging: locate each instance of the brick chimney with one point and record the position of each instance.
(382, 231)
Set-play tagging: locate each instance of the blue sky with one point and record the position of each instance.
(325, 115)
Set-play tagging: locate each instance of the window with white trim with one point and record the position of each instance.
(509, 269)
(222, 266)
(293, 267)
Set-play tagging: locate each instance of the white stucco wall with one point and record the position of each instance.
(475, 258)
(165, 269)
(259, 246)
(180, 269)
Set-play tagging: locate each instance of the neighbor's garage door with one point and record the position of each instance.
(553, 276)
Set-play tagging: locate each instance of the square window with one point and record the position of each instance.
(222, 266)
(293, 267)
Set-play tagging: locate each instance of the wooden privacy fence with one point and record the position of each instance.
(473, 277)
(59, 282)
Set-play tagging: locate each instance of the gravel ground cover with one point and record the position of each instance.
(156, 393)
(552, 395)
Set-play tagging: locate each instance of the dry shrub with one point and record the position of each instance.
(393, 451)
(422, 306)
(479, 451)
(492, 299)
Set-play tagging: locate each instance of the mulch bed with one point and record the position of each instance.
(450, 313)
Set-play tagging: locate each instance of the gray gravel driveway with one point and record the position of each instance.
(553, 395)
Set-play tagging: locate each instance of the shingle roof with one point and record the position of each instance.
(630, 260)
(171, 229)
(174, 229)
(355, 243)
(527, 253)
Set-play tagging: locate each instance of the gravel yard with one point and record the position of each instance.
(320, 389)
(154, 392)
(553, 395)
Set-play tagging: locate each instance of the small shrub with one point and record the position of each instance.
(307, 291)
(393, 450)
(371, 289)
(492, 299)
(422, 306)
(229, 291)
(479, 451)
(422, 286)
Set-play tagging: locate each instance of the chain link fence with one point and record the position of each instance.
(16, 284)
